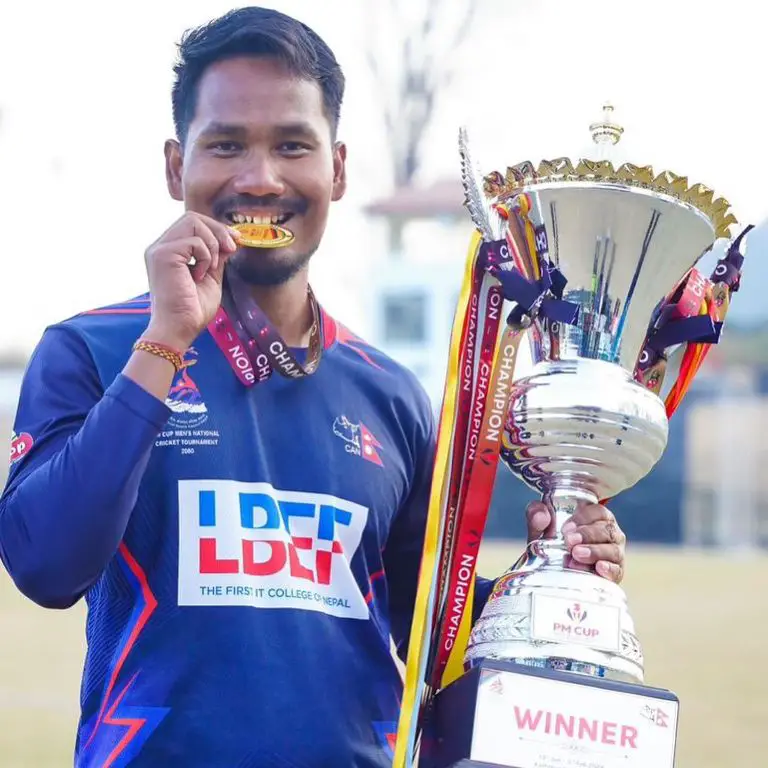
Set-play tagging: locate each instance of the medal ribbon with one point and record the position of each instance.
(235, 349)
(251, 344)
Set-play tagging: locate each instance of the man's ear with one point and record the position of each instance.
(339, 170)
(174, 164)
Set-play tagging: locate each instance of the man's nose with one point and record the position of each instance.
(258, 177)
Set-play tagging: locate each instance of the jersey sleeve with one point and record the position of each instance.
(402, 555)
(80, 453)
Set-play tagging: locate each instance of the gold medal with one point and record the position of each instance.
(263, 235)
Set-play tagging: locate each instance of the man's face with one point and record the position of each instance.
(260, 146)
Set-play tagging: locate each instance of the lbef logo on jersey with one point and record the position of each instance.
(358, 439)
(184, 398)
(20, 445)
(250, 544)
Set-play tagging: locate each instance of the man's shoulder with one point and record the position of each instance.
(357, 350)
(111, 323)
(375, 366)
(104, 334)
(127, 314)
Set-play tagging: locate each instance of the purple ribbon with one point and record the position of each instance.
(648, 358)
(728, 269)
(701, 329)
(534, 297)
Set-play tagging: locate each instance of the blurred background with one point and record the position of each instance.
(84, 111)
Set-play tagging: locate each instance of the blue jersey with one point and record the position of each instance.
(245, 553)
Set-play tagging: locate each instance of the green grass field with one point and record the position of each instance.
(703, 620)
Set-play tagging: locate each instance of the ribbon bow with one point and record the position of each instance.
(672, 326)
(542, 297)
(728, 269)
(699, 329)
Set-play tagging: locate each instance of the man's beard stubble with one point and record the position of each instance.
(267, 267)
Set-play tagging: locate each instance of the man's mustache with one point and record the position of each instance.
(272, 203)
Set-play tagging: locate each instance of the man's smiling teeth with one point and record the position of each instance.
(241, 218)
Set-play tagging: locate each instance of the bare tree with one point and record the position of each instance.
(413, 57)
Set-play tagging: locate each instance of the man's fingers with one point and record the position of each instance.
(590, 554)
(192, 248)
(611, 571)
(217, 272)
(587, 514)
(538, 518)
(608, 570)
(601, 532)
(217, 236)
(226, 236)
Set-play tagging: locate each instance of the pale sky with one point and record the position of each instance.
(85, 108)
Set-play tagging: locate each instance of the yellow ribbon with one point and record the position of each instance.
(530, 235)
(418, 645)
(454, 667)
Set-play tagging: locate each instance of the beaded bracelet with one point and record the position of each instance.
(161, 350)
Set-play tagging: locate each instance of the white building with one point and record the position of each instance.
(726, 505)
(413, 294)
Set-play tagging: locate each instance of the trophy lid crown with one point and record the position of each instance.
(605, 169)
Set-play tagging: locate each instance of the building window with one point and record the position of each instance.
(405, 318)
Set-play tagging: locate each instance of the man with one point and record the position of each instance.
(244, 518)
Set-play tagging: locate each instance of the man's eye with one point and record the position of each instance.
(293, 148)
(225, 147)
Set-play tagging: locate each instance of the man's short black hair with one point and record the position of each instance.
(254, 31)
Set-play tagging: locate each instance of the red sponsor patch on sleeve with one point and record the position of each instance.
(21, 444)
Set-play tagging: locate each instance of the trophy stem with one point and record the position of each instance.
(563, 503)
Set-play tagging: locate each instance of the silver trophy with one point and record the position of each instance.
(559, 665)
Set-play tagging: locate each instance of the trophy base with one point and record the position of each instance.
(504, 715)
(540, 612)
